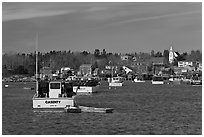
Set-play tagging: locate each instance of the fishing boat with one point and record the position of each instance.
(157, 80)
(85, 87)
(138, 80)
(176, 80)
(52, 95)
(116, 82)
(196, 81)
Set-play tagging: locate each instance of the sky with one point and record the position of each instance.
(118, 27)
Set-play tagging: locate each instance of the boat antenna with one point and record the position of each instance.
(36, 64)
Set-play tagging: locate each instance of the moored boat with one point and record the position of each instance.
(116, 82)
(137, 80)
(157, 80)
(53, 95)
(85, 87)
(176, 80)
(196, 81)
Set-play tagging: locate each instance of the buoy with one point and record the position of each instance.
(6, 86)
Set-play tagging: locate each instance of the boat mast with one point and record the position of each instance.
(36, 64)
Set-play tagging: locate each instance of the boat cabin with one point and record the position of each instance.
(54, 89)
(117, 79)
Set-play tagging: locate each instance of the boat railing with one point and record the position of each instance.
(37, 97)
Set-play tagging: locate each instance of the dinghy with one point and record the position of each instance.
(93, 109)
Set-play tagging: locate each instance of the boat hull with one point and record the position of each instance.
(52, 103)
(48, 109)
(157, 82)
(113, 84)
(138, 81)
(196, 83)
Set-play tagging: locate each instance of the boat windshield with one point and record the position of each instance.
(54, 85)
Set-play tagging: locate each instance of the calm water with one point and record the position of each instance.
(139, 108)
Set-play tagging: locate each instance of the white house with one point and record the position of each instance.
(125, 57)
(185, 64)
(134, 58)
(65, 69)
(127, 70)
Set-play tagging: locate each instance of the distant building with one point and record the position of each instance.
(157, 60)
(158, 64)
(199, 66)
(185, 64)
(108, 67)
(134, 58)
(139, 67)
(125, 57)
(96, 72)
(178, 70)
(127, 70)
(65, 69)
(46, 72)
(85, 69)
(184, 69)
(111, 67)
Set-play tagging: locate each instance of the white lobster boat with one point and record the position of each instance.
(53, 95)
(157, 80)
(86, 87)
(137, 80)
(196, 81)
(116, 82)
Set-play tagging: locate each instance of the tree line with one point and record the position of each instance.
(22, 63)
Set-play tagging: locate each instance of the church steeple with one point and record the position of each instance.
(171, 55)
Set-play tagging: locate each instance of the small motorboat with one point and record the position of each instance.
(196, 81)
(85, 87)
(53, 95)
(116, 82)
(6, 86)
(137, 80)
(93, 109)
(72, 109)
(157, 80)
